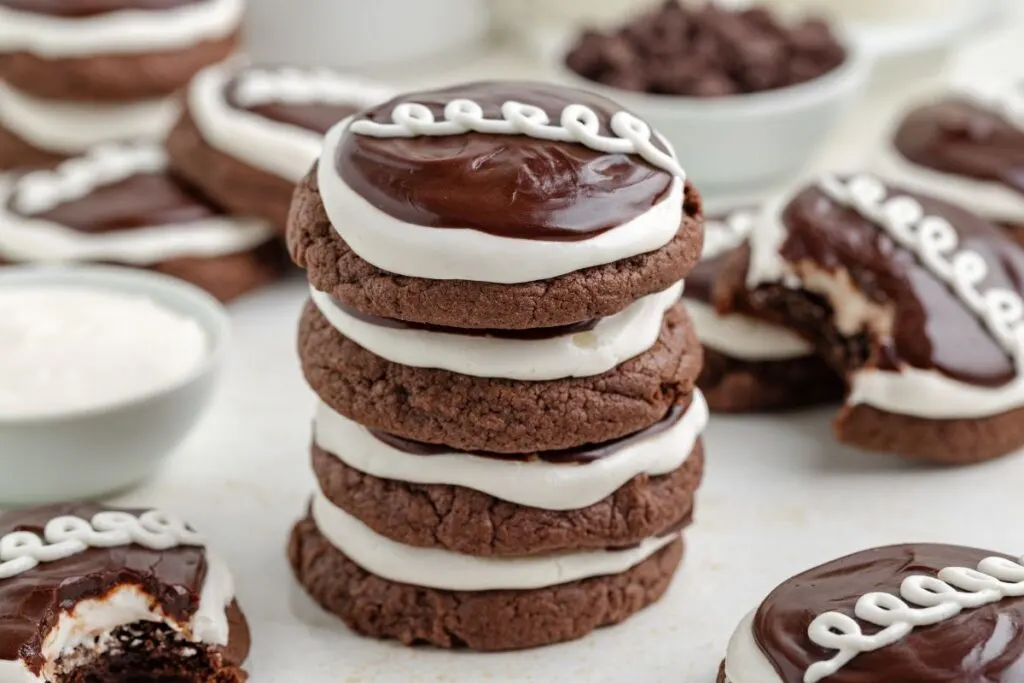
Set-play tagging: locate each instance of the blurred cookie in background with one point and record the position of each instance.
(966, 146)
(248, 134)
(76, 73)
(118, 204)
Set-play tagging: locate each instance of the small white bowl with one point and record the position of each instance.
(743, 142)
(88, 453)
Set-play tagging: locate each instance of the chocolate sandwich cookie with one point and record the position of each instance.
(495, 205)
(749, 364)
(118, 204)
(470, 413)
(77, 73)
(916, 301)
(922, 612)
(382, 606)
(248, 134)
(91, 593)
(967, 147)
(611, 494)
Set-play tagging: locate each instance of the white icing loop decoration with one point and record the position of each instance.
(21, 551)
(41, 191)
(293, 85)
(725, 235)
(940, 599)
(577, 123)
(935, 242)
(1005, 100)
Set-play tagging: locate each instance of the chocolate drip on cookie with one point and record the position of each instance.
(89, 8)
(528, 334)
(580, 455)
(141, 200)
(931, 327)
(976, 645)
(964, 138)
(506, 185)
(32, 601)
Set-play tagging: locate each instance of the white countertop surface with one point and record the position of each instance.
(780, 496)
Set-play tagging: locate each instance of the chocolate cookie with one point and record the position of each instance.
(916, 301)
(480, 620)
(333, 267)
(91, 593)
(122, 52)
(968, 148)
(71, 79)
(495, 205)
(250, 133)
(467, 521)
(921, 612)
(118, 204)
(473, 413)
(749, 364)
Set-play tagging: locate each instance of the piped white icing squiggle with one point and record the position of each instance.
(548, 486)
(578, 123)
(72, 127)
(25, 238)
(447, 570)
(940, 599)
(614, 340)
(278, 148)
(466, 254)
(910, 391)
(68, 535)
(119, 32)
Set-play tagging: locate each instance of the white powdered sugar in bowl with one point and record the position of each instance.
(103, 372)
(65, 349)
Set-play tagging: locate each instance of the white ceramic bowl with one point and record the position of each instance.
(89, 453)
(742, 142)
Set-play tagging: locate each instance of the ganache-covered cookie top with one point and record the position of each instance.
(53, 562)
(314, 99)
(939, 316)
(723, 233)
(89, 8)
(968, 137)
(512, 185)
(931, 613)
(113, 188)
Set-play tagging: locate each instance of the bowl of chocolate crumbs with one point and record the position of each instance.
(745, 95)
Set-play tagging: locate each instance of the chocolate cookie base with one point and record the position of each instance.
(486, 620)
(947, 442)
(16, 152)
(474, 523)
(497, 415)
(582, 295)
(232, 276)
(149, 652)
(113, 77)
(721, 674)
(234, 185)
(731, 385)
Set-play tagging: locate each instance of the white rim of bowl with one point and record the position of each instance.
(167, 291)
(855, 67)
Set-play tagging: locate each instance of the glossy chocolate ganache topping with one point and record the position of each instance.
(48, 568)
(115, 188)
(928, 614)
(952, 285)
(966, 137)
(526, 186)
(314, 99)
(89, 8)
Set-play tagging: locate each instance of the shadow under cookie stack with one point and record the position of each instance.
(507, 437)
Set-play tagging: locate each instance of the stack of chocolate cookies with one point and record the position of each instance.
(507, 440)
(78, 73)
